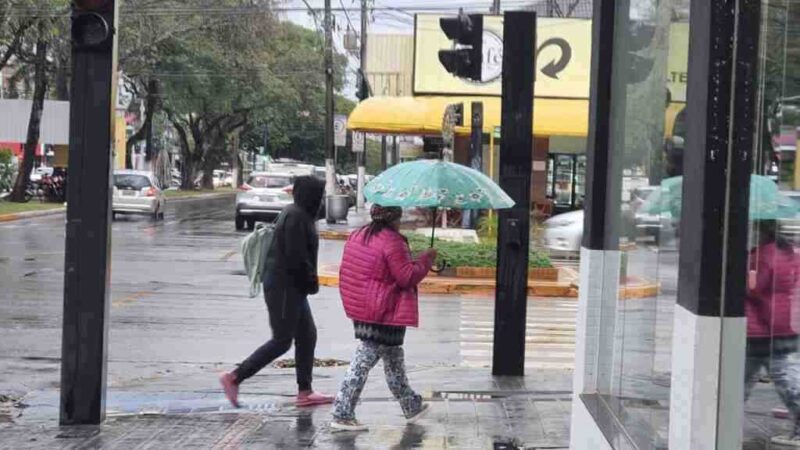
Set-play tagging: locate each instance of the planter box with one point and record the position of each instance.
(543, 273)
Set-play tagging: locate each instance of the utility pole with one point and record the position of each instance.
(513, 240)
(395, 152)
(84, 339)
(496, 7)
(362, 155)
(384, 163)
(330, 150)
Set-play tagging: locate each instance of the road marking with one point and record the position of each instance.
(130, 299)
(549, 341)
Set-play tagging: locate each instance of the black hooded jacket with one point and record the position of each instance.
(292, 259)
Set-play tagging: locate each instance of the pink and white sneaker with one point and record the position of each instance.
(311, 398)
(231, 388)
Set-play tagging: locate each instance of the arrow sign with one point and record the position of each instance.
(555, 67)
(340, 130)
(358, 142)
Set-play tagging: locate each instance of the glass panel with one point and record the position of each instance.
(651, 58)
(772, 362)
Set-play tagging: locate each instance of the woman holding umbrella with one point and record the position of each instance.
(378, 285)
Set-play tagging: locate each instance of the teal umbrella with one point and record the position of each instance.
(436, 184)
(766, 200)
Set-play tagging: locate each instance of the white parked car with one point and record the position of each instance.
(39, 172)
(222, 178)
(137, 192)
(263, 197)
(564, 232)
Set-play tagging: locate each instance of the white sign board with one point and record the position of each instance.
(340, 130)
(358, 141)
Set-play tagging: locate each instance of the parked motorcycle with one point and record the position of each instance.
(54, 188)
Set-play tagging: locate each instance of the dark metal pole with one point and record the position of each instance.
(475, 155)
(361, 157)
(395, 152)
(84, 341)
(519, 39)
(330, 150)
(384, 163)
(496, 7)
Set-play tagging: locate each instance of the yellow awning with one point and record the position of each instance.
(423, 115)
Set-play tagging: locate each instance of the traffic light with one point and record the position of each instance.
(92, 24)
(640, 37)
(364, 90)
(466, 58)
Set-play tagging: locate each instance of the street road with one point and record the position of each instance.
(179, 307)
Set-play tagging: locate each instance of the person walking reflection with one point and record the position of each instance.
(771, 337)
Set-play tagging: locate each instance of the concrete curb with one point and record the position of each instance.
(32, 214)
(334, 235)
(61, 210)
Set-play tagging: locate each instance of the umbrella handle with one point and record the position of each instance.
(433, 228)
(440, 267)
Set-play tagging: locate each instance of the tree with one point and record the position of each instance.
(45, 33)
(274, 79)
(14, 26)
(147, 32)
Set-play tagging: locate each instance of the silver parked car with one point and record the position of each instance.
(137, 192)
(263, 197)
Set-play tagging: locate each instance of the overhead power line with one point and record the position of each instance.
(347, 15)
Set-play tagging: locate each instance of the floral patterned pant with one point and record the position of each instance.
(784, 369)
(366, 357)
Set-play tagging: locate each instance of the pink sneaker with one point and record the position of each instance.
(231, 388)
(311, 398)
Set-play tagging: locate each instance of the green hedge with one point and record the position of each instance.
(458, 254)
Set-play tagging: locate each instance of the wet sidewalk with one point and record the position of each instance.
(470, 409)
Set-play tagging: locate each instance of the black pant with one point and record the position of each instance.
(291, 320)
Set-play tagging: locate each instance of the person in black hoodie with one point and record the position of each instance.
(290, 276)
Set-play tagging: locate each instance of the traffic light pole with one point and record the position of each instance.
(519, 39)
(362, 155)
(84, 341)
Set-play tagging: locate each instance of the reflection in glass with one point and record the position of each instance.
(772, 368)
(650, 92)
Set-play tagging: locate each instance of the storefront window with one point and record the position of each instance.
(772, 363)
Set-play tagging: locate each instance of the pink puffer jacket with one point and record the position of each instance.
(378, 279)
(769, 306)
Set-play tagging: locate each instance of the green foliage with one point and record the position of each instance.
(487, 228)
(6, 169)
(220, 74)
(458, 254)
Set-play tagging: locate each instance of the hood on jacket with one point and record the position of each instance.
(308, 192)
